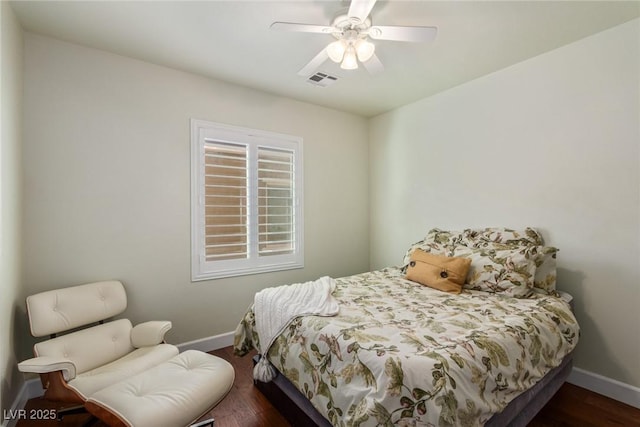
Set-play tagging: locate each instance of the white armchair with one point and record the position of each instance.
(76, 366)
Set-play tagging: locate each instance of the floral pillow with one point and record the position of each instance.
(490, 237)
(445, 239)
(545, 278)
(437, 242)
(426, 245)
(494, 237)
(528, 240)
(509, 272)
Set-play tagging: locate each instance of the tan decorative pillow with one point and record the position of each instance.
(444, 273)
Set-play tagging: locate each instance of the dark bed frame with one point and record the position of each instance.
(299, 411)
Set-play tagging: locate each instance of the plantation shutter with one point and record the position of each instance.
(247, 207)
(226, 215)
(276, 204)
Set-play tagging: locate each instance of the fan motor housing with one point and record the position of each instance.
(344, 23)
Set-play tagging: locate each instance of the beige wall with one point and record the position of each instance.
(10, 200)
(106, 155)
(552, 142)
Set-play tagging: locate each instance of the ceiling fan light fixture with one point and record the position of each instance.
(364, 50)
(350, 62)
(336, 51)
(354, 37)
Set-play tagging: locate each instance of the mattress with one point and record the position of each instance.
(399, 353)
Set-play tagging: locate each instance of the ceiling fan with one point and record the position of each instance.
(352, 28)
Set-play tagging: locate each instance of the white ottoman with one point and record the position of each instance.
(173, 394)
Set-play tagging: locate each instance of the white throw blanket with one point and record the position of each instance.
(275, 308)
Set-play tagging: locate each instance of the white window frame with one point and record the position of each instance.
(201, 269)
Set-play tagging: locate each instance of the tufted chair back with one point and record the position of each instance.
(60, 310)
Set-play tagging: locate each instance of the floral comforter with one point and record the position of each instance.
(399, 353)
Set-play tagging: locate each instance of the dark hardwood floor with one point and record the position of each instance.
(245, 406)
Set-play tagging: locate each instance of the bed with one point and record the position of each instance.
(401, 353)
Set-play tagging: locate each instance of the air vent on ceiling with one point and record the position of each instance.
(322, 79)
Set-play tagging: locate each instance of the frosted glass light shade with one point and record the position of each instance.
(365, 50)
(335, 51)
(349, 62)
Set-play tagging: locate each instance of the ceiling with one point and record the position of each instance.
(231, 41)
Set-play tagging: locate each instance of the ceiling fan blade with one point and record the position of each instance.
(311, 67)
(373, 65)
(301, 28)
(403, 34)
(360, 9)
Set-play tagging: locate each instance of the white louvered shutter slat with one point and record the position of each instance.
(225, 201)
(276, 207)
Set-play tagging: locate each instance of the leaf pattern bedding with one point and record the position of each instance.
(399, 353)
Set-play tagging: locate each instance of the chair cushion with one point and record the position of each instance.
(60, 310)
(87, 383)
(92, 347)
(172, 394)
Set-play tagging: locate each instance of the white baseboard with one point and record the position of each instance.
(209, 343)
(605, 386)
